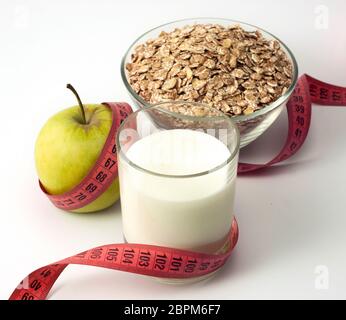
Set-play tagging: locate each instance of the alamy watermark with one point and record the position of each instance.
(321, 21)
(24, 284)
(321, 277)
(21, 17)
(180, 150)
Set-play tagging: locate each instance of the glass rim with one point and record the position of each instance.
(236, 118)
(185, 117)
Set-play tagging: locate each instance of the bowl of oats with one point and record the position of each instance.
(240, 69)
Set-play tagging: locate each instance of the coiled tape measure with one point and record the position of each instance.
(155, 260)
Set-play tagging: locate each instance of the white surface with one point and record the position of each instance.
(291, 219)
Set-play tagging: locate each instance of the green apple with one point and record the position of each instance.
(68, 146)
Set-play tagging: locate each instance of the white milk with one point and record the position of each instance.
(192, 213)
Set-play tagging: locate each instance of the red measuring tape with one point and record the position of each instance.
(307, 90)
(155, 260)
(102, 174)
(136, 258)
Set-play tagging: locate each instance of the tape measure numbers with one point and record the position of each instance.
(136, 258)
(102, 174)
(160, 261)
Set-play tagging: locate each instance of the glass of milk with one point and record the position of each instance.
(177, 177)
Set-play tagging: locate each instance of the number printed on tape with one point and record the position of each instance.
(160, 261)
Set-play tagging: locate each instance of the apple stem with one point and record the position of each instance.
(69, 86)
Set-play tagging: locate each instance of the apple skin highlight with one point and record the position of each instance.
(66, 150)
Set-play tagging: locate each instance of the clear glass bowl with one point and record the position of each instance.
(250, 126)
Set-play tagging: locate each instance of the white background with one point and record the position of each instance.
(291, 218)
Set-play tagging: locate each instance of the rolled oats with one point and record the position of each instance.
(233, 70)
(169, 84)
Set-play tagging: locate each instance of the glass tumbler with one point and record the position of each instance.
(177, 177)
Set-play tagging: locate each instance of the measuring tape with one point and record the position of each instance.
(148, 260)
(104, 171)
(307, 90)
(155, 260)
